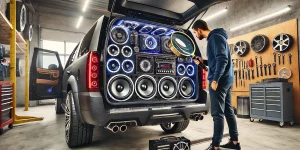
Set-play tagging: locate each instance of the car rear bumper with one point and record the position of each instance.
(93, 112)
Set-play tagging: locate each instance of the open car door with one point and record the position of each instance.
(45, 75)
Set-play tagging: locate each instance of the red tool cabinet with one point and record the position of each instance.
(6, 105)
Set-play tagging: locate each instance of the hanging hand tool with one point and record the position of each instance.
(274, 57)
(265, 66)
(235, 75)
(257, 74)
(233, 62)
(251, 63)
(290, 57)
(261, 71)
(283, 58)
(260, 60)
(256, 61)
(237, 62)
(252, 73)
(243, 75)
(279, 59)
(249, 78)
(274, 68)
(269, 66)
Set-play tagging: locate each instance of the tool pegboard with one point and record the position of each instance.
(280, 50)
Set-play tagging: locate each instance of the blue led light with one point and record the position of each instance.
(159, 31)
(123, 67)
(50, 89)
(130, 24)
(178, 72)
(117, 65)
(146, 29)
(150, 42)
(190, 68)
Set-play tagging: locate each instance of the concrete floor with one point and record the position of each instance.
(49, 134)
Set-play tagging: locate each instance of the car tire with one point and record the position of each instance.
(176, 127)
(21, 15)
(76, 133)
(58, 108)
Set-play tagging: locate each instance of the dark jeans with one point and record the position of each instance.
(220, 107)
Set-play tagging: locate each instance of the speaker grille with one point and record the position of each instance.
(113, 65)
(120, 87)
(186, 87)
(127, 51)
(113, 50)
(146, 87)
(181, 69)
(127, 66)
(167, 87)
(119, 35)
(145, 64)
(190, 70)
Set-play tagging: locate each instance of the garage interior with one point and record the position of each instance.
(264, 44)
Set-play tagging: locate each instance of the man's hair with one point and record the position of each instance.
(200, 24)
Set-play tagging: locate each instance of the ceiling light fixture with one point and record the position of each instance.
(85, 5)
(279, 12)
(79, 21)
(215, 15)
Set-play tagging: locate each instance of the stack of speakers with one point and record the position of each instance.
(132, 77)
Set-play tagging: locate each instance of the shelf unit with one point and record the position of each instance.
(5, 30)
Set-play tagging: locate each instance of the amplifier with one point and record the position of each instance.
(170, 143)
(165, 65)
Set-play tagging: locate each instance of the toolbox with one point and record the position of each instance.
(272, 101)
(170, 143)
(6, 105)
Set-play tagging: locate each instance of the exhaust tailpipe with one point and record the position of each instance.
(201, 117)
(123, 128)
(115, 129)
(197, 117)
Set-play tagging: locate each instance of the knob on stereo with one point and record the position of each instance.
(113, 65)
(127, 51)
(146, 87)
(167, 87)
(120, 87)
(113, 50)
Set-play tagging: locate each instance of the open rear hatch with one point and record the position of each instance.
(172, 12)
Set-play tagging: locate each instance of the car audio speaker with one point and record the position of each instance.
(127, 51)
(113, 50)
(149, 42)
(190, 70)
(127, 66)
(167, 87)
(120, 87)
(119, 35)
(145, 64)
(181, 69)
(145, 87)
(186, 87)
(165, 46)
(113, 65)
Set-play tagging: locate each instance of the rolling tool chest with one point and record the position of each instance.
(272, 101)
(6, 105)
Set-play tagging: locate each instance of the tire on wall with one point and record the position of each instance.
(76, 133)
(58, 108)
(28, 32)
(175, 127)
(21, 15)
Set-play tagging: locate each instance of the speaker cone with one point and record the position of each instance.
(120, 87)
(167, 87)
(127, 51)
(113, 50)
(165, 45)
(145, 65)
(145, 87)
(119, 35)
(186, 87)
(128, 66)
(181, 69)
(190, 70)
(113, 65)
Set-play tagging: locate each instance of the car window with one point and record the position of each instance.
(85, 45)
(72, 56)
(47, 60)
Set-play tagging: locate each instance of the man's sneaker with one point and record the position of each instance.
(231, 145)
(211, 147)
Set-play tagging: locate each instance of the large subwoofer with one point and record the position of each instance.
(167, 87)
(119, 35)
(145, 87)
(186, 87)
(120, 87)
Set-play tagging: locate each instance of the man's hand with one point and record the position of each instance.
(214, 85)
(197, 60)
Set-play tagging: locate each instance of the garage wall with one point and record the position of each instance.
(242, 11)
